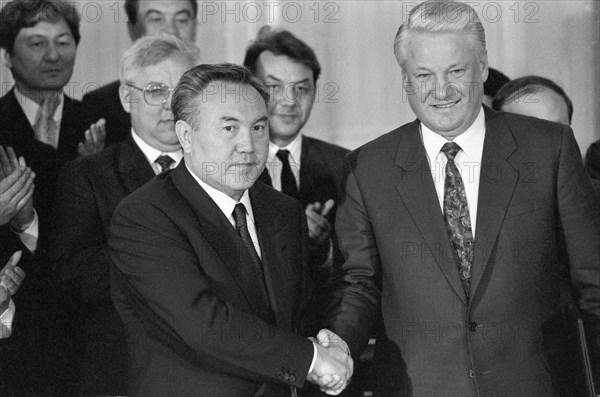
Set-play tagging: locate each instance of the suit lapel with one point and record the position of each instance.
(278, 279)
(223, 238)
(496, 185)
(21, 130)
(311, 165)
(418, 192)
(133, 168)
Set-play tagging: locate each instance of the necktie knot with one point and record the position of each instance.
(450, 149)
(283, 155)
(164, 162)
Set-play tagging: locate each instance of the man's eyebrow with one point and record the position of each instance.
(306, 80)
(228, 118)
(260, 119)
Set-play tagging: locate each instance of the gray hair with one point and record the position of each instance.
(439, 16)
(151, 50)
(195, 85)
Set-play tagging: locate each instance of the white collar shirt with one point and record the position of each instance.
(274, 165)
(468, 161)
(152, 154)
(226, 204)
(31, 109)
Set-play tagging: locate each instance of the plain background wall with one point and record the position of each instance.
(360, 92)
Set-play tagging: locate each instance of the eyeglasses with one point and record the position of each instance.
(155, 94)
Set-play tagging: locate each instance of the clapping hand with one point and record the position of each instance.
(16, 189)
(333, 367)
(11, 277)
(94, 139)
(319, 228)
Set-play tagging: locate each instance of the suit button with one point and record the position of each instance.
(279, 374)
(473, 326)
(471, 374)
(292, 378)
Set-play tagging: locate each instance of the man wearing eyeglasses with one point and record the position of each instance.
(145, 17)
(90, 189)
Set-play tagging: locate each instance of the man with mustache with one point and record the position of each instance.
(90, 188)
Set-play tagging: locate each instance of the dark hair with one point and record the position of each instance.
(131, 9)
(19, 14)
(528, 85)
(496, 79)
(194, 82)
(281, 42)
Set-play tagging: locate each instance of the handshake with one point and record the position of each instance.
(333, 366)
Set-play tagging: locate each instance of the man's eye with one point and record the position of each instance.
(183, 20)
(36, 43)
(422, 76)
(259, 127)
(229, 128)
(457, 72)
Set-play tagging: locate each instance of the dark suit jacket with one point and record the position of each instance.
(88, 192)
(534, 197)
(46, 161)
(592, 160)
(107, 104)
(198, 318)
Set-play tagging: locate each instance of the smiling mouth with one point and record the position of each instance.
(445, 105)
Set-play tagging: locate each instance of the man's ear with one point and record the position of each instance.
(184, 134)
(7, 59)
(126, 96)
(484, 67)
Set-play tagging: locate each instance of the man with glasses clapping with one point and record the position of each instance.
(89, 191)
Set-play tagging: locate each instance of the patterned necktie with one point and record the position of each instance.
(288, 182)
(164, 162)
(239, 215)
(45, 127)
(456, 213)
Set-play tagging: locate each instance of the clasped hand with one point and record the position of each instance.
(333, 366)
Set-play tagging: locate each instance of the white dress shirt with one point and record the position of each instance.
(152, 154)
(274, 165)
(6, 319)
(31, 109)
(468, 161)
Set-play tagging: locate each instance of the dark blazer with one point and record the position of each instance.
(46, 161)
(198, 317)
(507, 339)
(88, 192)
(592, 160)
(107, 104)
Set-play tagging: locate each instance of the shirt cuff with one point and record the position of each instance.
(314, 360)
(29, 236)
(6, 320)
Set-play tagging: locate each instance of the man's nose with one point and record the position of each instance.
(52, 54)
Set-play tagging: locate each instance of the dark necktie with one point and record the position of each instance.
(164, 162)
(456, 213)
(288, 182)
(239, 215)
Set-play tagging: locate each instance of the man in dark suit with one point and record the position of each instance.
(452, 225)
(36, 118)
(176, 17)
(305, 168)
(90, 188)
(209, 268)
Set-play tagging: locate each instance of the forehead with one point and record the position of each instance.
(282, 68)
(46, 29)
(167, 71)
(434, 49)
(165, 6)
(225, 99)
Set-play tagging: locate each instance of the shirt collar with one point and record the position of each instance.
(294, 147)
(31, 107)
(152, 153)
(470, 141)
(225, 203)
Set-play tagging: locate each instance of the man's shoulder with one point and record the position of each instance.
(108, 91)
(386, 144)
(326, 147)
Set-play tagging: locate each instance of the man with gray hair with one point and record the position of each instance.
(209, 266)
(89, 190)
(456, 242)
